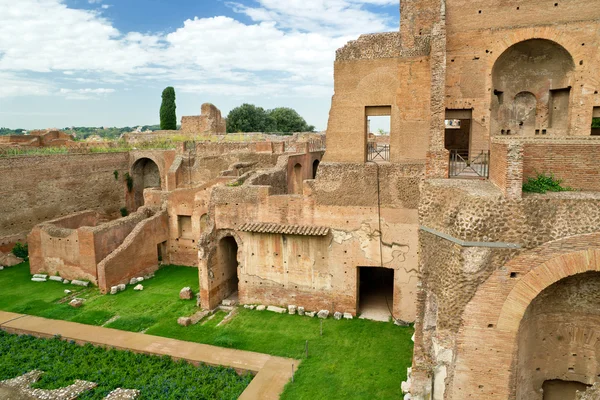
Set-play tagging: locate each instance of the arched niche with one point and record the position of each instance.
(145, 174)
(534, 68)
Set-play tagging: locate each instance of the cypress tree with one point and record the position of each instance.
(168, 118)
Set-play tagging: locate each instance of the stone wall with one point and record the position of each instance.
(478, 250)
(73, 246)
(208, 122)
(41, 188)
(320, 271)
(138, 253)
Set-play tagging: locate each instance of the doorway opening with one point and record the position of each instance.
(298, 178)
(458, 132)
(226, 276)
(315, 168)
(375, 293)
(161, 249)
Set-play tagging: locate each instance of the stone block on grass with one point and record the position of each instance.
(139, 288)
(347, 315)
(323, 314)
(292, 309)
(80, 283)
(278, 310)
(38, 279)
(76, 303)
(114, 289)
(300, 310)
(186, 293)
(261, 308)
(310, 314)
(337, 315)
(184, 321)
(42, 276)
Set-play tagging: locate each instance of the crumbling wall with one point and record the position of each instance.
(47, 187)
(558, 337)
(462, 282)
(208, 122)
(315, 271)
(137, 255)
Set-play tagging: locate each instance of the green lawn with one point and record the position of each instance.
(354, 359)
(155, 377)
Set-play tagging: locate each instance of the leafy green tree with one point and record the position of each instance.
(288, 120)
(168, 118)
(249, 118)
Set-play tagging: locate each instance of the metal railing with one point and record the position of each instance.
(378, 152)
(463, 167)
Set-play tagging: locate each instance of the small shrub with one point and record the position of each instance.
(21, 250)
(236, 183)
(129, 181)
(544, 183)
(124, 211)
(116, 174)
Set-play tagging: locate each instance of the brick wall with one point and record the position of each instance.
(40, 188)
(577, 164)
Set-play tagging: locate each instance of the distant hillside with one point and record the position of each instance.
(83, 132)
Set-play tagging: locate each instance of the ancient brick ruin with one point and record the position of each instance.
(429, 225)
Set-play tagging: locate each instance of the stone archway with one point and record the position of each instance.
(219, 271)
(485, 361)
(145, 174)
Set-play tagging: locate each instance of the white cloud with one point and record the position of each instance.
(12, 85)
(84, 94)
(106, 6)
(289, 49)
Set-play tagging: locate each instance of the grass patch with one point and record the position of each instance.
(156, 377)
(544, 183)
(132, 324)
(354, 359)
(94, 317)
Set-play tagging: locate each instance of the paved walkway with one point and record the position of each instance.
(272, 373)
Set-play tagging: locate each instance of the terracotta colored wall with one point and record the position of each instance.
(137, 255)
(47, 187)
(576, 164)
(344, 197)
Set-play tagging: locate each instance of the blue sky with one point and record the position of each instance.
(105, 62)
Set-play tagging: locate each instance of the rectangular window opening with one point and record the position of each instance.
(378, 125)
(596, 122)
(184, 223)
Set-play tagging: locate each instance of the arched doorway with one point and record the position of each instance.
(224, 280)
(532, 70)
(559, 340)
(315, 167)
(145, 174)
(298, 178)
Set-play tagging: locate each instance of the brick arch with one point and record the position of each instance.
(543, 33)
(159, 161)
(541, 277)
(491, 319)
